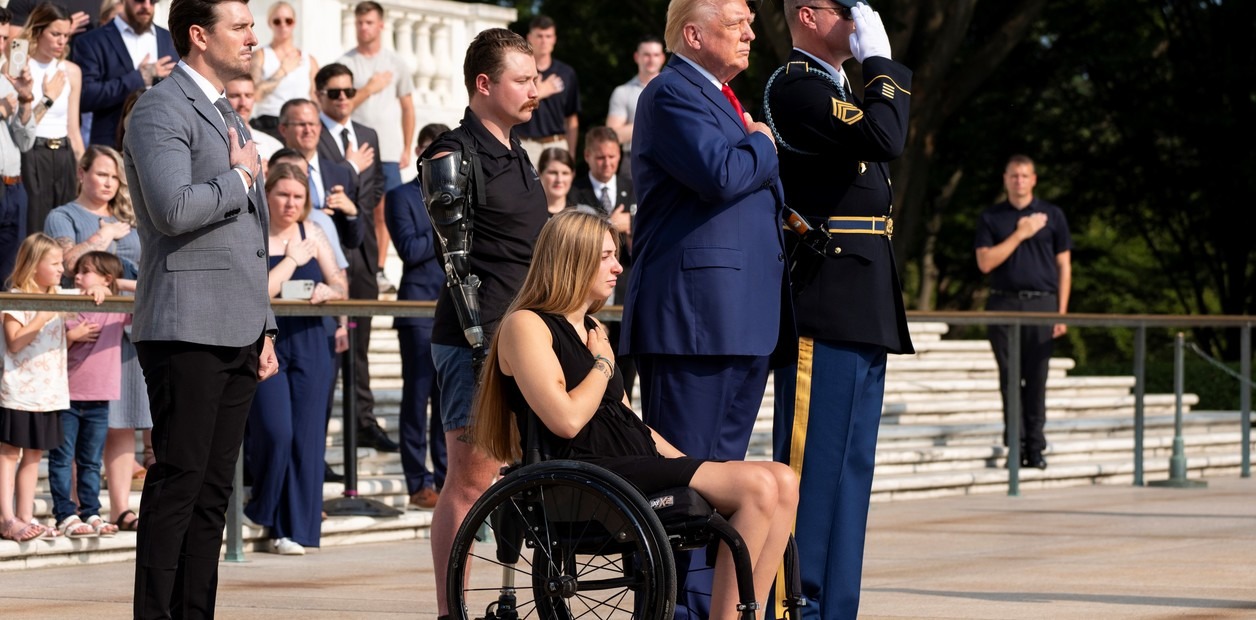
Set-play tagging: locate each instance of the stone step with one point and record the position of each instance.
(121, 548)
(893, 461)
(994, 480)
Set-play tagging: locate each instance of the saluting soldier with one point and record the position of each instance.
(834, 153)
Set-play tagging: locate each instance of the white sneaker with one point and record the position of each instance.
(286, 546)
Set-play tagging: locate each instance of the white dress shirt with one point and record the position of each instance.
(138, 45)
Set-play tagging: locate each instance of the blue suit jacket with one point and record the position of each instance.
(422, 276)
(709, 275)
(109, 77)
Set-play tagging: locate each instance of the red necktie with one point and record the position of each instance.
(728, 94)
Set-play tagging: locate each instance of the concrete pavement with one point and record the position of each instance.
(1109, 552)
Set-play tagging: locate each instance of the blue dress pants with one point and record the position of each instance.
(287, 438)
(828, 410)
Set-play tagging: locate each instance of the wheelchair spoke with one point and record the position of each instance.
(604, 608)
(572, 543)
(607, 564)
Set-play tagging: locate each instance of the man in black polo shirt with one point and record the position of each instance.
(556, 121)
(500, 76)
(1024, 244)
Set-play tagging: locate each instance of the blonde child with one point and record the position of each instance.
(34, 388)
(95, 369)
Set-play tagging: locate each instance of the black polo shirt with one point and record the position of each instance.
(1032, 265)
(551, 118)
(504, 229)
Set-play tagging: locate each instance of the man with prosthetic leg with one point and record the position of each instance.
(487, 208)
(835, 152)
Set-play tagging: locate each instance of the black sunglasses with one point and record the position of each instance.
(841, 11)
(335, 93)
(283, 20)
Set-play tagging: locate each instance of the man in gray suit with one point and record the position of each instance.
(203, 327)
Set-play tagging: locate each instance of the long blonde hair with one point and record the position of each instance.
(120, 205)
(567, 256)
(33, 250)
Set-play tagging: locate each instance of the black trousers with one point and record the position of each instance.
(363, 285)
(50, 179)
(1036, 347)
(200, 397)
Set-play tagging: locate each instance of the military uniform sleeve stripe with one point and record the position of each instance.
(886, 77)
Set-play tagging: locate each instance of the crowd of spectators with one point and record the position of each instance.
(335, 139)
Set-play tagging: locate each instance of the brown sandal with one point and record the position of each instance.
(128, 525)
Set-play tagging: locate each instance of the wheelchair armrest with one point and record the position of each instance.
(680, 505)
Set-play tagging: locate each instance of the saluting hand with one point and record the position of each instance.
(869, 38)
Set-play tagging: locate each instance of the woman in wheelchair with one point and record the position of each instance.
(551, 357)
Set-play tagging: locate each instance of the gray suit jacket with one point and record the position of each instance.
(203, 271)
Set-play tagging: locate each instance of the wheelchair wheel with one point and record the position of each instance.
(569, 540)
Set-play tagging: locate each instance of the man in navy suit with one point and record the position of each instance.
(422, 278)
(708, 300)
(128, 54)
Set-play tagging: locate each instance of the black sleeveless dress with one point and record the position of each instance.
(615, 438)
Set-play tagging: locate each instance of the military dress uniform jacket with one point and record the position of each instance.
(853, 294)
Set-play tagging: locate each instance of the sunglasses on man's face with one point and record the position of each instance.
(335, 93)
(285, 21)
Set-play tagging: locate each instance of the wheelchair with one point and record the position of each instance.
(573, 540)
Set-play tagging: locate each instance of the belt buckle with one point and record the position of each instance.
(53, 144)
(889, 228)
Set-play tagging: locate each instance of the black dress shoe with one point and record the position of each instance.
(1034, 460)
(375, 437)
(330, 475)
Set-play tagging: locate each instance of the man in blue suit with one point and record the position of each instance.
(422, 278)
(708, 299)
(121, 57)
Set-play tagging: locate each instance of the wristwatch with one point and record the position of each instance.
(47, 101)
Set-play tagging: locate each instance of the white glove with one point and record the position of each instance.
(869, 38)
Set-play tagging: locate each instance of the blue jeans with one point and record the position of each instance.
(85, 424)
(456, 381)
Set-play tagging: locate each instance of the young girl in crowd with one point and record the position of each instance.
(34, 388)
(95, 372)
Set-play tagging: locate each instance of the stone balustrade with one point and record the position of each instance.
(431, 35)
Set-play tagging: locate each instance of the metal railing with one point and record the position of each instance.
(1140, 323)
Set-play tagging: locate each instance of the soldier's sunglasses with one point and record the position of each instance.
(840, 11)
